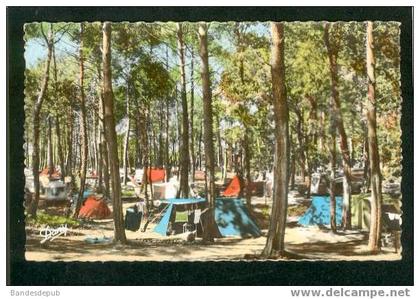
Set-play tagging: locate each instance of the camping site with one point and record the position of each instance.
(203, 141)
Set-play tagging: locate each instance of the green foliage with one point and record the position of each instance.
(127, 193)
(152, 80)
(145, 65)
(306, 61)
(44, 219)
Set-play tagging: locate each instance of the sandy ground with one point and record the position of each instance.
(302, 243)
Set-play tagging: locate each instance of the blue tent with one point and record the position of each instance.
(162, 227)
(231, 215)
(319, 211)
(87, 193)
(233, 219)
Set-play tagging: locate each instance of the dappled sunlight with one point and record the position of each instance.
(181, 141)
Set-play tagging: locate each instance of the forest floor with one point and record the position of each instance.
(302, 243)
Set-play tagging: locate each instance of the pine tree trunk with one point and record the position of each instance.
(63, 133)
(103, 145)
(27, 156)
(136, 130)
(120, 150)
(293, 173)
(109, 121)
(94, 142)
(57, 121)
(220, 159)
(184, 150)
(247, 166)
(225, 164)
(160, 137)
(50, 156)
(45, 149)
(178, 136)
(83, 127)
(36, 123)
(167, 157)
(200, 140)
(375, 171)
(105, 166)
(192, 119)
(145, 149)
(344, 148)
(366, 166)
(277, 227)
(79, 150)
(41, 152)
(152, 141)
(59, 147)
(100, 164)
(54, 146)
(127, 136)
(311, 139)
(308, 190)
(69, 141)
(302, 158)
(91, 143)
(321, 134)
(210, 229)
(333, 162)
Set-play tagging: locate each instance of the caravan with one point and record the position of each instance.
(53, 191)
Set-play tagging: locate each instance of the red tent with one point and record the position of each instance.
(156, 175)
(54, 175)
(234, 188)
(94, 208)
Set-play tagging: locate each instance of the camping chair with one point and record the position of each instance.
(187, 227)
(191, 225)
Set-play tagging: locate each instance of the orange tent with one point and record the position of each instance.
(55, 174)
(94, 208)
(233, 189)
(156, 175)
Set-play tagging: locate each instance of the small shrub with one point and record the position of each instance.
(43, 219)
